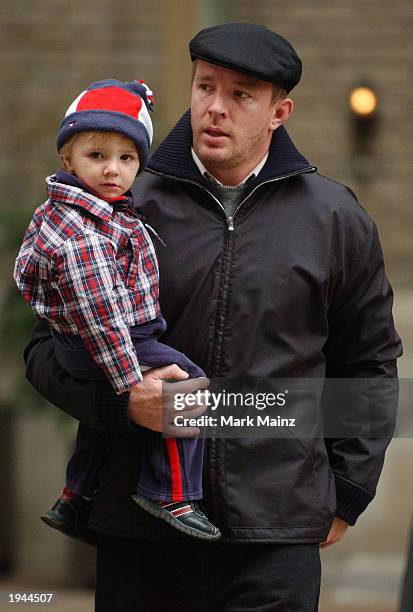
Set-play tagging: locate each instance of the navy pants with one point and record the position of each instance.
(171, 468)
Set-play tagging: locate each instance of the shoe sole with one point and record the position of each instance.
(62, 527)
(172, 521)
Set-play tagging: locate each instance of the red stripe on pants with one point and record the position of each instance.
(175, 466)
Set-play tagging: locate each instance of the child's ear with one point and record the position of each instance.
(67, 163)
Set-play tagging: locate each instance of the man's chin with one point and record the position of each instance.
(214, 156)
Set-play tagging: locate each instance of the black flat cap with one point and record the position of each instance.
(252, 49)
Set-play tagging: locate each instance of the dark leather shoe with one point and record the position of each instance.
(70, 516)
(185, 516)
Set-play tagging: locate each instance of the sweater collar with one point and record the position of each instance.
(173, 157)
(212, 179)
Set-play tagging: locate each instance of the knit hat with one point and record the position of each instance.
(112, 106)
(251, 49)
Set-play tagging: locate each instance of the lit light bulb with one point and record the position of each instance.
(363, 101)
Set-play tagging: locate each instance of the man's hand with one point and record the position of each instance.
(146, 399)
(337, 532)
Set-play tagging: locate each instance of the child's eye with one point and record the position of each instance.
(126, 157)
(95, 155)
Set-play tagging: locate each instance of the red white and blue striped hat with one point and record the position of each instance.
(112, 106)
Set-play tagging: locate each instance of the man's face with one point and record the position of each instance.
(233, 117)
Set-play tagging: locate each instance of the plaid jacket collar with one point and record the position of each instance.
(74, 196)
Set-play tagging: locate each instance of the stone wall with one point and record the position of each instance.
(52, 49)
(342, 43)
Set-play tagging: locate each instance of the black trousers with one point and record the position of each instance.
(144, 576)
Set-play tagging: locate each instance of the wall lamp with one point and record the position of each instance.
(364, 111)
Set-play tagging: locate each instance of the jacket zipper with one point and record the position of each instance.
(230, 229)
(211, 466)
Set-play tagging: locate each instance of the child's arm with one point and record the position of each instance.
(88, 282)
(95, 403)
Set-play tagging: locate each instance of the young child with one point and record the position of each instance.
(87, 265)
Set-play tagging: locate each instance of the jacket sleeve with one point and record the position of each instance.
(362, 344)
(93, 403)
(89, 285)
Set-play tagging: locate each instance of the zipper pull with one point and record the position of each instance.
(230, 221)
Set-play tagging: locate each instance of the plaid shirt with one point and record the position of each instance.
(90, 268)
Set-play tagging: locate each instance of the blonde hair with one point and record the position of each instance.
(97, 137)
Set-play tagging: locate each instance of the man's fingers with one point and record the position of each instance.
(190, 400)
(186, 386)
(169, 372)
(329, 542)
(170, 412)
(337, 532)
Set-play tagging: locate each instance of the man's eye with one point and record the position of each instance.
(241, 94)
(205, 87)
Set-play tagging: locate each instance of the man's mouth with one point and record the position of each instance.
(215, 132)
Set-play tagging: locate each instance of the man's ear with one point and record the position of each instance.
(282, 110)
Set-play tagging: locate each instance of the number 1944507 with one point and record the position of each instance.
(30, 598)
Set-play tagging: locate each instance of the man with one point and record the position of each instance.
(270, 271)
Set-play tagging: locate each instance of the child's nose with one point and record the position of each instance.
(111, 167)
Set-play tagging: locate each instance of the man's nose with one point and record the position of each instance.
(217, 104)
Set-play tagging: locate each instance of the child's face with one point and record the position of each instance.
(107, 165)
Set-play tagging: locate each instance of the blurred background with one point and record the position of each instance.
(50, 50)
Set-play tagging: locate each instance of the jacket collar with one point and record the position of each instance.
(65, 188)
(173, 157)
